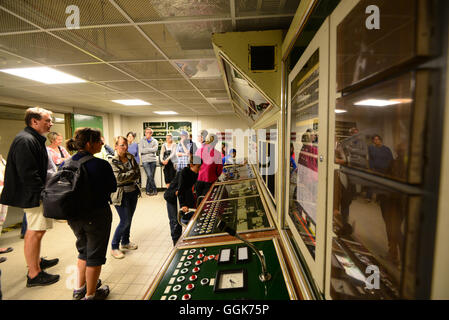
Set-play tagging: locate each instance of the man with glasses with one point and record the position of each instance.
(25, 177)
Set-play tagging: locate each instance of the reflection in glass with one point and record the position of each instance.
(371, 232)
(304, 152)
(375, 133)
(249, 99)
(202, 68)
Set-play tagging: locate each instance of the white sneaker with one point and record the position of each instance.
(117, 254)
(129, 246)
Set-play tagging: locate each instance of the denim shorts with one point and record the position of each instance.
(92, 236)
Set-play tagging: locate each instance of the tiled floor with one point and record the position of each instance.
(127, 278)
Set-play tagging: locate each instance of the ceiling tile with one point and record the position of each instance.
(94, 72)
(174, 84)
(52, 13)
(112, 43)
(150, 70)
(152, 10)
(43, 48)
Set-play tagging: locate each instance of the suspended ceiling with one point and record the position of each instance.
(159, 51)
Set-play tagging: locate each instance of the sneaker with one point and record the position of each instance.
(42, 279)
(45, 264)
(101, 294)
(117, 254)
(129, 246)
(79, 294)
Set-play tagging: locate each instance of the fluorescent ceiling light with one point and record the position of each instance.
(376, 103)
(132, 102)
(340, 111)
(44, 75)
(165, 112)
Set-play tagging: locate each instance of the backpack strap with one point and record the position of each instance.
(77, 163)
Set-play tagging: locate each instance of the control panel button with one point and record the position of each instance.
(177, 288)
(186, 297)
(193, 277)
(196, 269)
(173, 297)
(180, 279)
(190, 286)
(204, 281)
(190, 257)
(198, 262)
(185, 270)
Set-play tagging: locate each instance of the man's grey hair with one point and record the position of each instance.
(35, 113)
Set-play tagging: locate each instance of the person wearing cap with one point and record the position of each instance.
(183, 150)
(148, 147)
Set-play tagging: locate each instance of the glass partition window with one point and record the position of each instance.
(304, 152)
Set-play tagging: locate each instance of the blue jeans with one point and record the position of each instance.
(125, 212)
(150, 168)
(175, 227)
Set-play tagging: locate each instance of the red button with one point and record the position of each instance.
(190, 286)
(186, 297)
(193, 277)
(190, 257)
(211, 257)
(196, 269)
(200, 256)
(198, 262)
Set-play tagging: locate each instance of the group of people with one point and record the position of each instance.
(189, 170)
(28, 166)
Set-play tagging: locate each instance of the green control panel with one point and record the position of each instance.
(223, 272)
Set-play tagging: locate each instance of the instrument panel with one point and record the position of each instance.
(241, 214)
(224, 271)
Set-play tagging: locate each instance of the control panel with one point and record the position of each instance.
(233, 189)
(241, 214)
(237, 172)
(225, 271)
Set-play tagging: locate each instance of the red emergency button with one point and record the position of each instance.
(193, 277)
(186, 297)
(196, 269)
(190, 286)
(198, 262)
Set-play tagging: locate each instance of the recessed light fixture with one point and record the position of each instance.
(43, 74)
(340, 111)
(132, 102)
(376, 103)
(165, 112)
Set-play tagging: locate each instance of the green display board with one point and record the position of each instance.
(83, 120)
(160, 130)
(216, 280)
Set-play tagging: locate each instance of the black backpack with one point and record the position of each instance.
(67, 193)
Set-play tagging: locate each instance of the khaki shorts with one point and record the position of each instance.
(36, 220)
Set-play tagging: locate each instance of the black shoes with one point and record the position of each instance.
(45, 264)
(42, 279)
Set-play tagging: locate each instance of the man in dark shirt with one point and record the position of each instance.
(380, 156)
(25, 177)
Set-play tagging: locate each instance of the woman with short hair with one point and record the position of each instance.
(57, 152)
